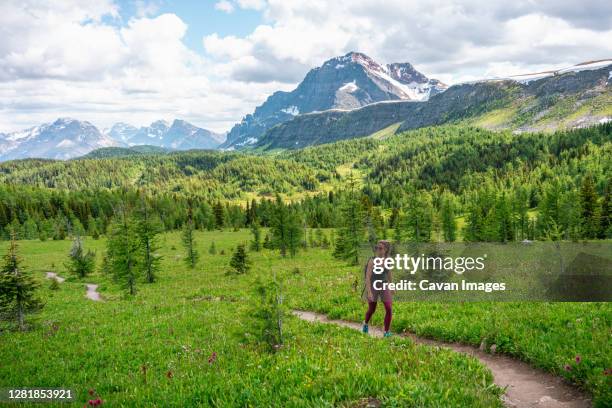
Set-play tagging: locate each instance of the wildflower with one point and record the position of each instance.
(567, 367)
(212, 358)
(169, 374)
(578, 359)
(91, 392)
(607, 371)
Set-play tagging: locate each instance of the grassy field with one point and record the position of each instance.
(186, 340)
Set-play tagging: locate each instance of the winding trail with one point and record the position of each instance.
(92, 292)
(526, 387)
(53, 275)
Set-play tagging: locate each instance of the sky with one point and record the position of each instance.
(211, 62)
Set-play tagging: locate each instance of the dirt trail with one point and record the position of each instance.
(53, 275)
(526, 387)
(92, 292)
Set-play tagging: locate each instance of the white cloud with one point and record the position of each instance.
(225, 6)
(79, 58)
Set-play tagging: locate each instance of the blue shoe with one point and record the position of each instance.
(387, 334)
(365, 328)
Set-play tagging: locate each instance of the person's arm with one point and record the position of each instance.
(368, 279)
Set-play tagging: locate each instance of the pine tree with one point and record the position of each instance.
(123, 249)
(219, 215)
(590, 208)
(17, 289)
(188, 240)
(80, 263)
(350, 235)
(147, 231)
(256, 231)
(280, 222)
(418, 221)
(449, 224)
(240, 260)
(606, 213)
(212, 249)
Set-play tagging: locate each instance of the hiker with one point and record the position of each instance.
(381, 250)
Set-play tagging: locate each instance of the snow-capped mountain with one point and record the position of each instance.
(346, 82)
(180, 135)
(63, 139)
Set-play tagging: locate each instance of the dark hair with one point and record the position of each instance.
(386, 244)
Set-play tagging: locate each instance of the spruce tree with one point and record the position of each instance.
(449, 225)
(240, 261)
(279, 227)
(605, 230)
(351, 234)
(219, 215)
(80, 263)
(590, 208)
(147, 230)
(189, 241)
(123, 249)
(17, 289)
(256, 231)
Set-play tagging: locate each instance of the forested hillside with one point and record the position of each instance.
(448, 182)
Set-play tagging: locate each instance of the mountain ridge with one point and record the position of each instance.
(345, 82)
(568, 99)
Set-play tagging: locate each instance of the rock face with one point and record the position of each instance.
(347, 82)
(533, 105)
(63, 139)
(180, 135)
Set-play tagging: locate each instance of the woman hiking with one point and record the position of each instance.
(376, 280)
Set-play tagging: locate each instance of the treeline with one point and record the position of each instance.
(442, 183)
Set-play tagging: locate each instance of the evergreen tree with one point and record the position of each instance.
(219, 215)
(123, 249)
(17, 289)
(590, 208)
(147, 230)
(80, 263)
(188, 240)
(280, 225)
(240, 260)
(449, 224)
(350, 235)
(212, 249)
(418, 221)
(256, 231)
(606, 212)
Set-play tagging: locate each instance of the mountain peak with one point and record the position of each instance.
(345, 82)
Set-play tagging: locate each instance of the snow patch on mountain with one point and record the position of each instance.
(349, 87)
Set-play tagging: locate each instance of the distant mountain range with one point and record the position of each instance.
(68, 138)
(350, 96)
(347, 82)
(180, 135)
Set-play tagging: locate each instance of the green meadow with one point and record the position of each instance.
(188, 338)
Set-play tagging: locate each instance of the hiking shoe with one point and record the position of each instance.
(387, 334)
(365, 328)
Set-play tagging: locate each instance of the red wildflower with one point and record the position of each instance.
(169, 374)
(607, 371)
(212, 358)
(567, 367)
(578, 359)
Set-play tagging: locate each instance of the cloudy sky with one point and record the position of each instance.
(211, 62)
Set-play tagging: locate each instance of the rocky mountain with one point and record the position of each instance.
(63, 139)
(347, 82)
(179, 135)
(567, 98)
